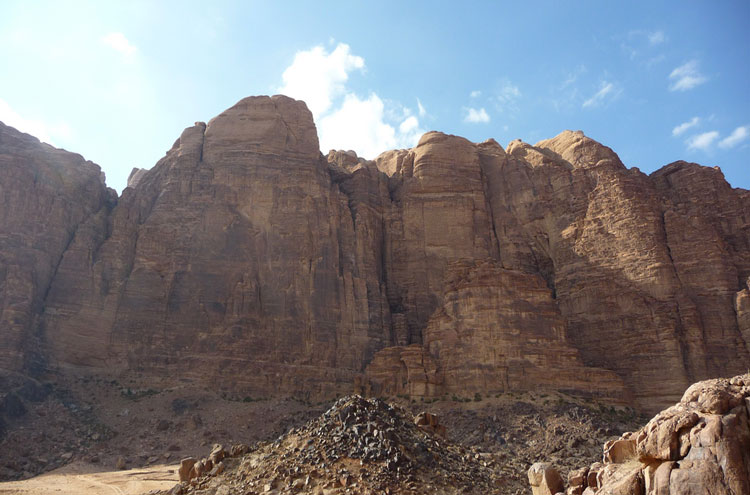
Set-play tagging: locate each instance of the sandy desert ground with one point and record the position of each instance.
(83, 479)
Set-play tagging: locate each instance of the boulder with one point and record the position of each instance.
(619, 451)
(186, 468)
(217, 454)
(430, 422)
(545, 480)
(700, 445)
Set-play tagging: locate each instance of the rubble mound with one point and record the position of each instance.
(358, 446)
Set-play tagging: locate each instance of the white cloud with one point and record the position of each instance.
(409, 125)
(686, 76)
(318, 77)
(345, 120)
(685, 126)
(359, 124)
(656, 38)
(421, 108)
(119, 42)
(738, 135)
(702, 141)
(475, 94)
(36, 128)
(607, 89)
(475, 116)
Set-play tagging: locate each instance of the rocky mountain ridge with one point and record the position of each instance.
(247, 260)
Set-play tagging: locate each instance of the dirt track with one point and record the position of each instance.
(81, 479)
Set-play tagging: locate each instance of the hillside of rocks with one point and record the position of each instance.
(104, 426)
(372, 446)
(247, 261)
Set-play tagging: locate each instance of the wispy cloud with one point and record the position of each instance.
(422, 110)
(686, 76)
(738, 135)
(656, 38)
(607, 91)
(564, 92)
(703, 141)
(369, 125)
(685, 126)
(475, 94)
(119, 42)
(507, 93)
(476, 116)
(572, 76)
(640, 42)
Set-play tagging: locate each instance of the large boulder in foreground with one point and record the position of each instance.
(700, 445)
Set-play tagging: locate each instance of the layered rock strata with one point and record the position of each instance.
(234, 261)
(497, 330)
(607, 242)
(247, 260)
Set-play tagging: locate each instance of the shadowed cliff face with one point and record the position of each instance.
(45, 195)
(246, 260)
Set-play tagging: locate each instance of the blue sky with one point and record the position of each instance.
(118, 81)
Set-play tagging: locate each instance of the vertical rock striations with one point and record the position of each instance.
(610, 245)
(234, 261)
(45, 195)
(246, 260)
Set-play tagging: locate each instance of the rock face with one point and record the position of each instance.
(496, 330)
(700, 445)
(45, 195)
(248, 261)
(608, 242)
(234, 261)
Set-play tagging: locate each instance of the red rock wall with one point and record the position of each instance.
(617, 258)
(45, 195)
(234, 261)
(248, 261)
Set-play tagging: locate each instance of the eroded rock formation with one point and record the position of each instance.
(233, 261)
(246, 260)
(699, 445)
(609, 244)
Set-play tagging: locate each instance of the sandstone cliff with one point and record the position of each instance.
(246, 260)
(45, 195)
(609, 243)
(234, 261)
